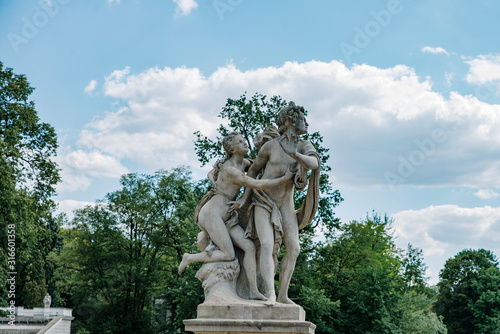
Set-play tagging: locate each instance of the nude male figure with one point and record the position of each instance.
(275, 157)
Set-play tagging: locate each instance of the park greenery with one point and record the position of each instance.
(115, 263)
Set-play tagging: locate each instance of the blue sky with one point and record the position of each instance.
(405, 93)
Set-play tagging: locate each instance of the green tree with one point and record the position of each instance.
(27, 180)
(460, 288)
(486, 309)
(415, 315)
(363, 271)
(413, 270)
(125, 250)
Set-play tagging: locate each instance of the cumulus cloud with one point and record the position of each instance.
(185, 7)
(69, 206)
(377, 122)
(484, 69)
(71, 181)
(79, 166)
(486, 194)
(436, 50)
(448, 229)
(90, 87)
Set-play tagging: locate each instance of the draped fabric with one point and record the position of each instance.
(263, 200)
(307, 211)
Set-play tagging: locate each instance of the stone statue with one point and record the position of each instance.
(47, 300)
(217, 215)
(241, 237)
(273, 217)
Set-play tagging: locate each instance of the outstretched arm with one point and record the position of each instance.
(265, 183)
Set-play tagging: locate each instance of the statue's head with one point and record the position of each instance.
(269, 133)
(292, 116)
(234, 143)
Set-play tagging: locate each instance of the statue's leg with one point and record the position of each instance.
(217, 230)
(249, 262)
(265, 233)
(292, 249)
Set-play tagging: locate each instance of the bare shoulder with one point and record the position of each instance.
(270, 146)
(267, 148)
(305, 146)
(231, 170)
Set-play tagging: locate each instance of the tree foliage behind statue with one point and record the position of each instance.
(27, 180)
(469, 293)
(377, 287)
(249, 116)
(120, 258)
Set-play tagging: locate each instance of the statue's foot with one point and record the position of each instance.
(285, 300)
(271, 300)
(257, 295)
(184, 263)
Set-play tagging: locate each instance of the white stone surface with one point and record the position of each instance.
(238, 326)
(59, 325)
(52, 312)
(257, 310)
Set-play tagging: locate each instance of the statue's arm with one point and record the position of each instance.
(307, 161)
(260, 161)
(291, 148)
(265, 183)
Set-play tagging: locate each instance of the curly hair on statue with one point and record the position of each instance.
(289, 113)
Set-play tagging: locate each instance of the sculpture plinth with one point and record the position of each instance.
(251, 317)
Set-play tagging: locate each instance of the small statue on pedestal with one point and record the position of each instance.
(47, 300)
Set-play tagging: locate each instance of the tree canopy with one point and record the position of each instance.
(468, 292)
(124, 252)
(28, 176)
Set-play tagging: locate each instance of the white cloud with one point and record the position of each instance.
(78, 167)
(90, 87)
(447, 229)
(69, 206)
(484, 69)
(185, 7)
(71, 181)
(372, 119)
(111, 1)
(94, 163)
(436, 50)
(486, 194)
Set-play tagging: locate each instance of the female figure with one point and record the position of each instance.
(219, 220)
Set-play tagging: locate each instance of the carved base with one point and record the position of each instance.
(230, 326)
(252, 309)
(224, 312)
(219, 282)
(250, 317)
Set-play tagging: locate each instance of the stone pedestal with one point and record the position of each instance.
(251, 317)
